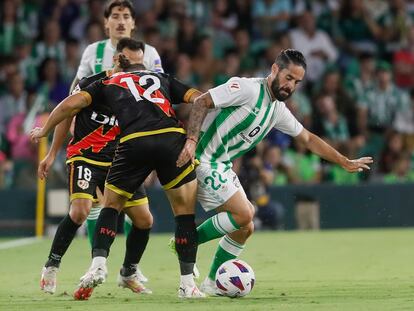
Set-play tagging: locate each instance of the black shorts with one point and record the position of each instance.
(85, 177)
(136, 158)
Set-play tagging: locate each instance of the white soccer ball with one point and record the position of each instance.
(235, 278)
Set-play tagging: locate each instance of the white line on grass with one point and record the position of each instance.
(18, 242)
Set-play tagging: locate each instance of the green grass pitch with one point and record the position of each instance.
(329, 270)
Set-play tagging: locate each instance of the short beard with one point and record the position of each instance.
(276, 90)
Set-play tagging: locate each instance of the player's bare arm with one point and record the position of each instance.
(197, 116)
(69, 107)
(325, 151)
(59, 136)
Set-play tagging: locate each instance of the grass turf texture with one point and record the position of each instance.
(329, 270)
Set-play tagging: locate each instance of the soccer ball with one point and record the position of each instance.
(235, 278)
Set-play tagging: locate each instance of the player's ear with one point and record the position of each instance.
(275, 69)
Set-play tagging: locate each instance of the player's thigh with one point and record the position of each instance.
(129, 170)
(166, 152)
(183, 198)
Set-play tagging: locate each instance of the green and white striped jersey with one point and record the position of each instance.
(98, 57)
(244, 113)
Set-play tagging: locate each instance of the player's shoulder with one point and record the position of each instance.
(149, 49)
(91, 48)
(245, 86)
(90, 79)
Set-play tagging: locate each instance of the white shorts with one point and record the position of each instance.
(216, 186)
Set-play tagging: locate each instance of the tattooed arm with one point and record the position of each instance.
(197, 116)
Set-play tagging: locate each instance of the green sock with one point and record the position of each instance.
(216, 226)
(91, 223)
(227, 249)
(127, 225)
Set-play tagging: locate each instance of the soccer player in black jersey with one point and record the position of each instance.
(89, 155)
(142, 103)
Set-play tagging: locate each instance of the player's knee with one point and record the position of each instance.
(144, 222)
(249, 229)
(79, 210)
(244, 217)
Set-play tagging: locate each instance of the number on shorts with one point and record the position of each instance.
(84, 173)
(213, 179)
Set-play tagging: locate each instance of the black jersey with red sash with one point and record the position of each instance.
(95, 132)
(141, 101)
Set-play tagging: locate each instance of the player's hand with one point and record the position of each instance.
(36, 134)
(187, 153)
(44, 166)
(357, 165)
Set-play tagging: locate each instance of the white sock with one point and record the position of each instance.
(98, 261)
(187, 279)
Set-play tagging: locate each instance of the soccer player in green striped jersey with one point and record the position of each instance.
(224, 124)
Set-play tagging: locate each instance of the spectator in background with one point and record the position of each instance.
(13, 102)
(51, 44)
(403, 62)
(357, 84)
(271, 16)
(94, 32)
(396, 24)
(12, 30)
(26, 63)
(332, 86)
(204, 63)
(256, 179)
(377, 109)
(70, 65)
(231, 67)
(300, 106)
(393, 148)
(272, 162)
(358, 30)
(315, 45)
(404, 123)
(401, 170)
(243, 9)
(303, 168)
(336, 175)
(80, 26)
(51, 88)
(244, 50)
(187, 36)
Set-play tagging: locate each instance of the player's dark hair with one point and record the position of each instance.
(121, 3)
(132, 44)
(290, 56)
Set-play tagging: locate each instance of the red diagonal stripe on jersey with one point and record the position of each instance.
(96, 140)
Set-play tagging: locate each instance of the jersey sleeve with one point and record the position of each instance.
(235, 92)
(286, 122)
(84, 68)
(178, 91)
(153, 61)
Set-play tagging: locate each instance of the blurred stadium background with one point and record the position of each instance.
(358, 95)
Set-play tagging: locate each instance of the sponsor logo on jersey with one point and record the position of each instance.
(245, 138)
(83, 184)
(254, 131)
(234, 87)
(103, 119)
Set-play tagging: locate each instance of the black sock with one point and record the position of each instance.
(136, 243)
(186, 242)
(64, 236)
(105, 232)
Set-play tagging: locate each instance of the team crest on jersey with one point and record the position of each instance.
(83, 184)
(234, 87)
